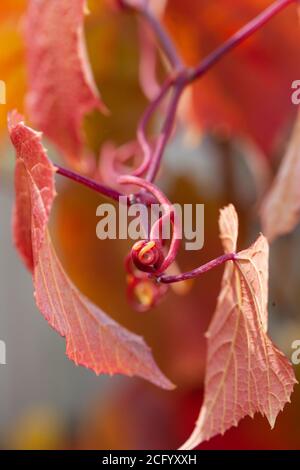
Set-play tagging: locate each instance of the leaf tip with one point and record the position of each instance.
(13, 119)
(228, 227)
(272, 420)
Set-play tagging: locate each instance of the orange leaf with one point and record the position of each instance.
(93, 339)
(245, 373)
(280, 211)
(61, 86)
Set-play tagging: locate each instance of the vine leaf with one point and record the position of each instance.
(93, 339)
(245, 373)
(280, 210)
(61, 85)
(34, 190)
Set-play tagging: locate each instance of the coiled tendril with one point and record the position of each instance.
(147, 255)
(143, 292)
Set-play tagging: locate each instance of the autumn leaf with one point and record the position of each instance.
(245, 372)
(93, 339)
(34, 189)
(61, 84)
(280, 210)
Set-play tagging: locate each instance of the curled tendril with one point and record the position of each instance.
(148, 258)
(148, 255)
(115, 161)
(143, 292)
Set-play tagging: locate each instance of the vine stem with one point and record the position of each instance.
(181, 76)
(239, 37)
(166, 130)
(165, 40)
(89, 183)
(160, 32)
(184, 77)
(198, 271)
(142, 127)
(187, 75)
(140, 198)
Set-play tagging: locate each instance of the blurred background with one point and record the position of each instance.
(232, 131)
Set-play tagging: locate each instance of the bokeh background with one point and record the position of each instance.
(232, 131)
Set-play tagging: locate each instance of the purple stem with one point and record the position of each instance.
(166, 131)
(187, 76)
(163, 36)
(139, 198)
(239, 37)
(89, 183)
(142, 127)
(198, 271)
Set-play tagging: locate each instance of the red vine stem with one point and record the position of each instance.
(180, 83)
(100, 188)
(166, 130)
(142, 127)
(167, 43)
(142, 198)
(198, 271)
(159, 31)
(89, 183)
(152, 158)
(186, 76)
(240, 36)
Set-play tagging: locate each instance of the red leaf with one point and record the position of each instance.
(93, 339)
(34, 188)
(61, 85)
(246, 373)
(280, 211)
